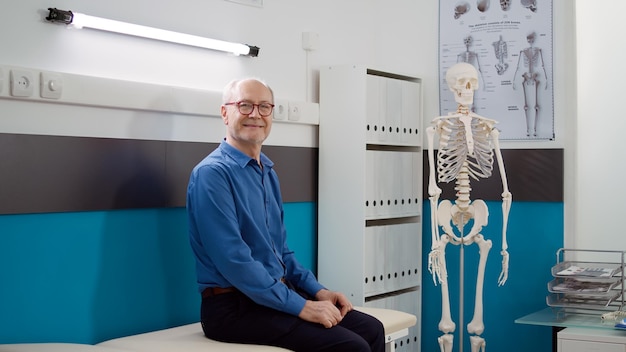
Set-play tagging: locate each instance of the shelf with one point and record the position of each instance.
(587, 285)
(581, 287)
(587, 270)
(584, 302)
(370, 188)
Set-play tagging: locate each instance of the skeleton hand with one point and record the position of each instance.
(434, 264)
(504, 274)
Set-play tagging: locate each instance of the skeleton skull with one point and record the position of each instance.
(462, 79)
(530, 4)
(467, 41)
(505, 5)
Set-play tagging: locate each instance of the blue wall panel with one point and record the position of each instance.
(301, 224)
(90, 276)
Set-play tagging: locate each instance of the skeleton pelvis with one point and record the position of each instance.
(449, 214)
(452, 214)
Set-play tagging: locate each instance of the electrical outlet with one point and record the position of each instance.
(295, 111)
(22, 83)
(281, 110)
(310, 41)
(51, 85)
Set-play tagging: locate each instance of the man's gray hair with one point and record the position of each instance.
(232, 87)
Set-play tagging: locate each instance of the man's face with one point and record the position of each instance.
(252, 129)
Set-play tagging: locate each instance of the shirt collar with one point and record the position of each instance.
(241, 158)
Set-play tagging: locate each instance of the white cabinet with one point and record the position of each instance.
(370, 189)
(591, 340)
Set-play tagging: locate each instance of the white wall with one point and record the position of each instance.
(596, 221)
(391, 35)
(394, 35)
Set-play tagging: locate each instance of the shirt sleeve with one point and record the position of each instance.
(298, 275)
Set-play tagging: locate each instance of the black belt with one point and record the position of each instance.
(214, 291)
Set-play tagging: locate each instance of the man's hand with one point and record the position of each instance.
(328, 310)
(338, 299)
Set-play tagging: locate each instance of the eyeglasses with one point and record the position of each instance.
(246, 108)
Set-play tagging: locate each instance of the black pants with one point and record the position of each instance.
(233, 317)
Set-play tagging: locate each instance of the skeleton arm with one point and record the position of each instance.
(434, 265)
(543, 68)
(480, 72)
(433, 190)
(519, 61)
(507, 198)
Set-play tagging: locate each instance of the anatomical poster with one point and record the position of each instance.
(510, 44)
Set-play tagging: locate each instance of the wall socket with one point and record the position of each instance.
(51, 85)
(21, 83)
(295, 111)
(281, 110)
(310, 41)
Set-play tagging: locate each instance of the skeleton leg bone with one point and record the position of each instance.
(446, 325)
(525, 85)
(446, 342)
(478, 343)
(536, 104)
(477, 326)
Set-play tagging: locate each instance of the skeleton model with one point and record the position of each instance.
(471, 58)
(464, 152)
(501, 52)
(531, 59)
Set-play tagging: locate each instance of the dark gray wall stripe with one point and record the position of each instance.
(532, 175)
(55, 174)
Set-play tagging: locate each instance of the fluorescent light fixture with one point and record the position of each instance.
(79, 20)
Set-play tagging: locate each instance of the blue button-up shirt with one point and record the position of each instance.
(237, 232)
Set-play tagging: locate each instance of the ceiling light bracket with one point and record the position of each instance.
(56, 15)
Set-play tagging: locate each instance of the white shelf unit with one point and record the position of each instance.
(370, 189)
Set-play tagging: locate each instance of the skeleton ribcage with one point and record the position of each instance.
(454, 151)
(531, 57)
